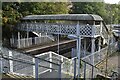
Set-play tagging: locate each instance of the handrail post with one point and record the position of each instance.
(10, 61)
(50, 56)
(34, 68)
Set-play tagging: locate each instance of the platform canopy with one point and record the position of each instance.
(80, 17)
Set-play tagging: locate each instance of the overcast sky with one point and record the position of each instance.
(112, 1)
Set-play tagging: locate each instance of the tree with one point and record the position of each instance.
(113, 11)
(109, 12)
(13, 11)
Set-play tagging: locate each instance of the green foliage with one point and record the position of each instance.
(109, 12)
(13, 11)
(113, 11)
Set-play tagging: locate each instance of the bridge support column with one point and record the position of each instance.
(73, 54)
(79, 55)
(84, 56)
(78, 48)
(92, 57)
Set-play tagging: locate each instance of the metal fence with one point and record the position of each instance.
(22, 64)
(26, 42)
(68, 65)
(12, 61)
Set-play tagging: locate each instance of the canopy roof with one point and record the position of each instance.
(80, 17)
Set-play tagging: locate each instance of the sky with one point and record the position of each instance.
(112, 1)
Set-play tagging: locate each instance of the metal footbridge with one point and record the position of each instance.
(77, 27)
(80, 24)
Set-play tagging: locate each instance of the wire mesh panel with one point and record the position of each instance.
(27, 42)
(88, 71)
(5, 65)
(113, 48)
(97, 29)
(23, 68)
(16, 62)
(86, 30)
(42, 40)
(98, 56)
(48, 65)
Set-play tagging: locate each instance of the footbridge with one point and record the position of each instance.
(86, 32)
(75, 26)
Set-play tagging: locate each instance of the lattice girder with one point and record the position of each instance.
(64, 29)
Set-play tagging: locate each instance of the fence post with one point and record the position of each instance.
(36, 68)
(99, 48)
(10, 61)
(50, 56)
(1, 66)
(71, 66)
(59, 71)
(74, 68)
(27, 38)
(62, 62)
(18, 39)
(92, 75)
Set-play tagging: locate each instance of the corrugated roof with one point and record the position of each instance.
(82, 17)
